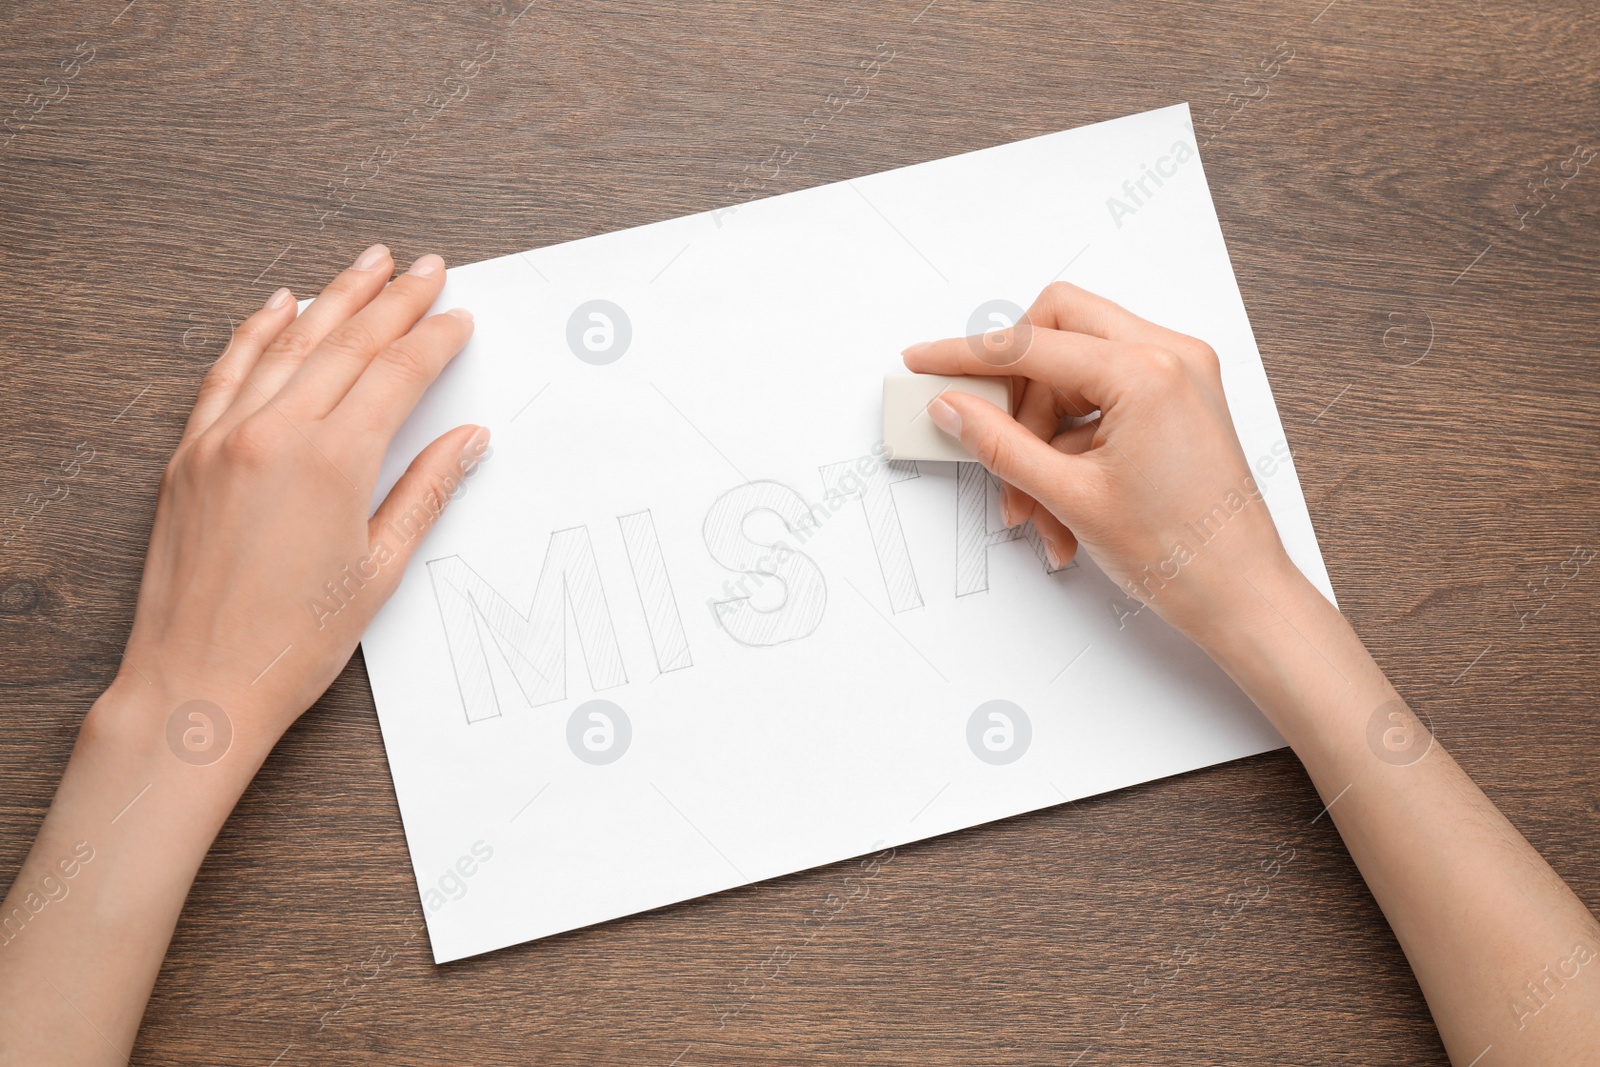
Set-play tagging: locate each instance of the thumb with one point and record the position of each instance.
(1007, 449)
(423, 491)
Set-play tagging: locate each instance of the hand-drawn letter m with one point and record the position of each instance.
(532, 646)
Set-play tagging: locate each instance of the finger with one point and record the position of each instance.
(1081, 368)
(1060, 544)
(422, 493)
(1052, 530)
(395, 380)
(1077, 440)
(1056, 535)
(1014, 503)
(1008, 451)
(1040, 414)
(328, 373)
(344, 296)
(226, 376)
(1064, 306)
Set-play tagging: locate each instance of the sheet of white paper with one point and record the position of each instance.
(836, 710)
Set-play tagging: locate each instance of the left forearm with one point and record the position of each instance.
(87, 921)
(266, 501)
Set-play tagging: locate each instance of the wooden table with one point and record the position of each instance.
(1412, 227)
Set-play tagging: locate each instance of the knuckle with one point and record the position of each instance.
(1203, 355)
(221, 378)
(189, 463)
(199, 453)
(256, 326)
(250, 444)
(993, 451)
(1060, 292)
(351, 288)
(1161, 364)
(353, 338)
(291, 346)
(409, 360)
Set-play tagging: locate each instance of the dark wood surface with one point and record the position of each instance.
(1371, 200)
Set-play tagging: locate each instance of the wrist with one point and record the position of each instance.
(1256, 614)
(1292, 652)
(189, 743)
(1228, 610)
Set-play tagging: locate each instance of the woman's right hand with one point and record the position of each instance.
(1122, 442)
(1156, 487)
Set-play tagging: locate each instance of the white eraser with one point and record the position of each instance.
(908, 432)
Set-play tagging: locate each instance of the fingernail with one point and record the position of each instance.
(426, 265)
(1005, 511)
(461, 313)
(1052, 554)
(472, 451)
(278, 299)
(944, 416)
(917, 349)
(372, 257)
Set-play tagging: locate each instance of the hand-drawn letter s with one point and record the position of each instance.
(805, 590)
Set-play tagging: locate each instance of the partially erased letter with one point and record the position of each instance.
(975, 488)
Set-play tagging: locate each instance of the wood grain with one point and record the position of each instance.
(1370, 198)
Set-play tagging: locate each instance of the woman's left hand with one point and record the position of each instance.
(264, 567)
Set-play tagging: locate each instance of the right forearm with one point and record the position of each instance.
(1478, 912)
